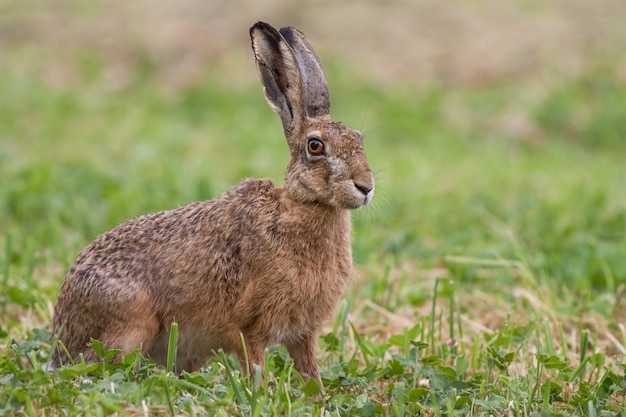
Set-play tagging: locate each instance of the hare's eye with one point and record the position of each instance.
(315, 147)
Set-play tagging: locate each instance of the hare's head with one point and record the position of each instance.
(328, 164)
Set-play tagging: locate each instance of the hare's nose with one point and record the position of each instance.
(364, 182)
(365, 189)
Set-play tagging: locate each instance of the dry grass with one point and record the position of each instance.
(483, 313)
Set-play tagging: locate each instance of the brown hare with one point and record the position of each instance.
(262, 264)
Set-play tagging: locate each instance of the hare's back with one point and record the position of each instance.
(175, 252)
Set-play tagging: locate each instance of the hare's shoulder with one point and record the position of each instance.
(248, 196)
(252, 192)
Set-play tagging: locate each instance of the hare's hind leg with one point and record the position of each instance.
(134, 333)
(137, 327)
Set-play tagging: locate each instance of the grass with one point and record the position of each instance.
(490, 268)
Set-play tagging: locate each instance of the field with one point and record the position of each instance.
(490, 267)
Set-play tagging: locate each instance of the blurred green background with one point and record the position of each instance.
(497, 130)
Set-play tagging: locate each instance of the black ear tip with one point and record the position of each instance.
(288, 33)
(262, 26)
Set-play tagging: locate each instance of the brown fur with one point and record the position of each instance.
(269, 263)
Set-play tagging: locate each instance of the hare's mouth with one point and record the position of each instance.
(366, 191)
(354, 197)
(368, 197)
(363, 190)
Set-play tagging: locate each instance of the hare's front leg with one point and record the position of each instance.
(303, 353)
(253, 355)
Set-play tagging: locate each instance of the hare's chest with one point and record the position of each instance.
(305, 309)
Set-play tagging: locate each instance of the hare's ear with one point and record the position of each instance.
(280, 74)
(316, 98)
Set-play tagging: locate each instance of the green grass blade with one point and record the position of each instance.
(451, 312)
(584, 344)
(248, 368)
(548, 339)
(231, 377)
(172, 347)
(433, 312)
(562, 341)
(6, 269)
